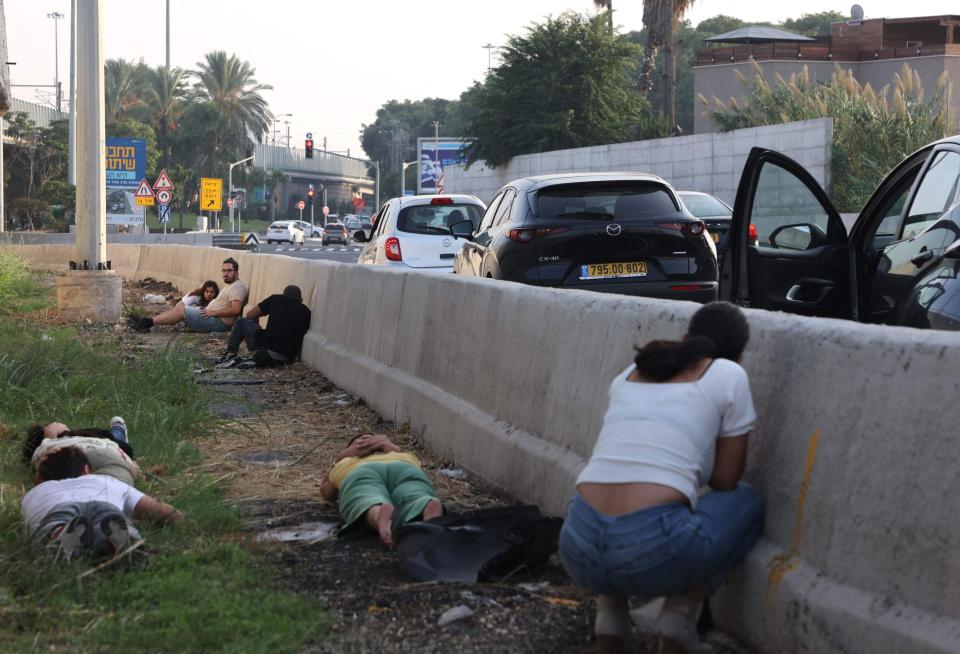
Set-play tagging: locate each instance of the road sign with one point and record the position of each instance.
(251, 239)
(164, 196)
(301, 204)
(164, 210)
(211, 194)
(310, 136)
(144, 194)
(229, 202)
(163, 182)
(326, 210)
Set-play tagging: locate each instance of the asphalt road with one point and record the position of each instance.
(312, 249)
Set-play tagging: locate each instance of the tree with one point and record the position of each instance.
(606, 5)
(661, 20)
(134, 129)
(817, 24)
(164, 97)
(123, 85)
(566, 83)
(38, 172)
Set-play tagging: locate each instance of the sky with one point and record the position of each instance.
(333, 64)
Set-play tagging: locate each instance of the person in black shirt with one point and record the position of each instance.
(288, 321)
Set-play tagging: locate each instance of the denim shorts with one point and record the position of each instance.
(662, 550)
(193, 320)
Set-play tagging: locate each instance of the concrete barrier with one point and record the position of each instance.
(856, 451)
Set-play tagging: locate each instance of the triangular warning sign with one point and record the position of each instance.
(163, 182)
(144, 190)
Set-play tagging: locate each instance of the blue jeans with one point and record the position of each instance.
(193, 320)
(662, 550)
(244, 330)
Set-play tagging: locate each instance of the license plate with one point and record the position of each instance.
(613, 270)
(715, 237)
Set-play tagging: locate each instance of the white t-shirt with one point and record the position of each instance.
(666, 433)
(190, 300)
(42, 498)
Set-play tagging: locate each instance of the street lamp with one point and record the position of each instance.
(276, 119)
(230, 187)
(403, 175)
(56, 16)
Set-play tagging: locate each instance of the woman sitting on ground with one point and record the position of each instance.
(372, 479)
(677, 419)
(201, 297)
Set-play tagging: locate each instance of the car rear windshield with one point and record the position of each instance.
(605, 201)
(702, 206)
(332, 226)
(436, 218)
(279, 226)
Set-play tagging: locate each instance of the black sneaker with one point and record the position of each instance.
(245, 364)
(228, 360)
(140, 324)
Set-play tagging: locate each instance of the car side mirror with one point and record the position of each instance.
(462, 229)
(360, 236)
(805, 236)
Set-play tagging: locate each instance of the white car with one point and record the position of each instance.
(415, 231)
(313, 231)
(285, 231)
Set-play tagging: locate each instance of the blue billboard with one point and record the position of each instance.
(126, 164)
(433, 156)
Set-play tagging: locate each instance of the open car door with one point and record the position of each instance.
(788, 246)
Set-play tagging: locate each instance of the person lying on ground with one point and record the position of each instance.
(37, 435)
(201, 297)
(678, 418)
(287, 323)
(372, 479)
(218, 316)
(82, 511)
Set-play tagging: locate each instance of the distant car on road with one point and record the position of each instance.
(285, 231)
(610, 232)
(353, 223)
(899, 264)
(415, 231)
(335, 233)
(313, 231)
(713, 211)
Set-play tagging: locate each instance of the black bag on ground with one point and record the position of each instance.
(483, 545)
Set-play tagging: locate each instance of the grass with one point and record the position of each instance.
(20, 290)
(204, 589)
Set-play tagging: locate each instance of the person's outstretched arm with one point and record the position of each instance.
(153, 510)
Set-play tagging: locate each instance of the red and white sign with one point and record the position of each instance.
(144, 190)
(163, 182)
(229, 202)
(164, 196)
(301, 204)
(326, 210)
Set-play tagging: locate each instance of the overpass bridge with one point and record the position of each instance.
(334, 175)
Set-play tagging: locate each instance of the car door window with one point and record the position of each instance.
(786, 213)
(490, 213)
(937, 191)
(503, 212)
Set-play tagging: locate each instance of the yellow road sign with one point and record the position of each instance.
(145, 202)
(211, 194)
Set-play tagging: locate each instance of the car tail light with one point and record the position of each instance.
(752, 232)
(441, 201)
(527, 235)
(694, 228)
(392, 247)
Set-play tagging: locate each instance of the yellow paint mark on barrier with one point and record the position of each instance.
(783, 564)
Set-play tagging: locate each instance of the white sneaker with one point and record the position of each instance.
(118, 421)
(678, 622)
(613, 618)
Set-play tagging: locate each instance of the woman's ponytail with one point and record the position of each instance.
(660, 361)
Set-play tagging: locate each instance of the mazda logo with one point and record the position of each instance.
(613, 229)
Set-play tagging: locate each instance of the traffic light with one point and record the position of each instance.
(310, 191)
(308, 147)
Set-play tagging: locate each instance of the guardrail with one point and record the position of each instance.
(237, 241)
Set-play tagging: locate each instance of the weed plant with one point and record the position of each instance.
(200, 590)
(20, 289)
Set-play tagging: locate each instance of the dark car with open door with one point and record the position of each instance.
(898, 265)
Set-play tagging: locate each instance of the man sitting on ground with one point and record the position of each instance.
(218, 316)
(373, 479)
(80, 511)
(288, 322)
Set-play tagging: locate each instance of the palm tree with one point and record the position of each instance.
(227, 111)
(123, 85)
(164, 96)
(661, 19)
(608, 5)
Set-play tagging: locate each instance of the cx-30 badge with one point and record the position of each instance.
(613, 229)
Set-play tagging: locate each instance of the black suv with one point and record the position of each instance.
(613, 232)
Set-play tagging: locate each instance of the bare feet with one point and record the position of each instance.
(434, 509)
(385, 524)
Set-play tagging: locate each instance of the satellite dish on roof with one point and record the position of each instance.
(856, 12)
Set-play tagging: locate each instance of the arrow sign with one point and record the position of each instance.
(163, 182)
(251, 239)
(164, 196)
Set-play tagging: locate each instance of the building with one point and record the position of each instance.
(874, 49)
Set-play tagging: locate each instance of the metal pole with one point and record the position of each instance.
(56, 16)
(72, 126)
(2, 189)
(436, 154)
(230, 194)
(91, 174)
(168, 34)
(377, 195)
(403, 177)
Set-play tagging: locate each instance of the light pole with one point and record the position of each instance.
(230, 186)
(56, 16)
(403, 175)
(436, 155)
(72, 125)
(276, 119)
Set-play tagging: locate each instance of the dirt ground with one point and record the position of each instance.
(289, 424)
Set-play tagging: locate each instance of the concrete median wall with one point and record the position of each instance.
(856, 452)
